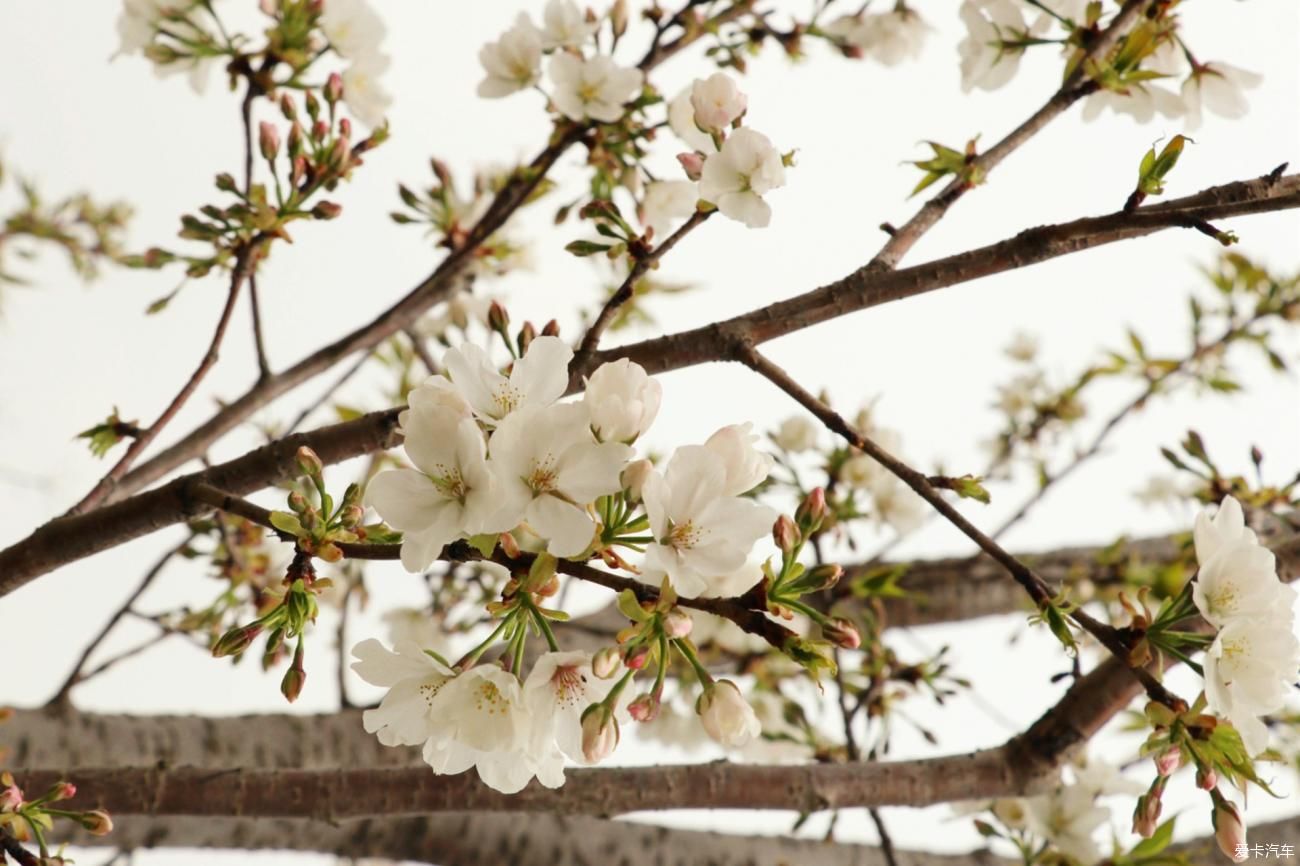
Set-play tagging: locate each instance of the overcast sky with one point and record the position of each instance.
(72, 120)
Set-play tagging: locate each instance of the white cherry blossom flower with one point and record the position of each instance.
(1249, 670)
(137, 23)
(666, 204)
(513, 62)
(450, 493)
(1069, 818)
(717, 102)
(594, 88)
(353, 28)
(551, 469)
(1240, 580)
(1217, 88)
(702, 530)
(484, 724)
(1227, 527)
(681, 120)
(796, 433)
(559, 688)
(364, 92)
(409, 712)
(537, 379)
(736, 177)
(887, 37)
(726, 715)
(565, 26)
(985, 62)
(744, 466)
(623, 401)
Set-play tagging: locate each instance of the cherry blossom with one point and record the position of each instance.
(1249, 670)
(889, 37)
(736, 177)
(537, 379)
(409, 711)
(681, 120)
(1226, 527)
(551, 468)
(364, 93)
(513, 62)
(985, 61)
(796, 433)
(1240, 580)
(1217, 88)
(717, 102)
(622, 400)
(559, 688)
(726, 715)
(452, 492)
(594, 88)
(353, 28)
(744, 466)
(666, 203)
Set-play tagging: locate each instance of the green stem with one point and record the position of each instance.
(688, 652)
(467, 661)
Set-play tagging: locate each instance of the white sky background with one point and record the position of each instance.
(71, 120)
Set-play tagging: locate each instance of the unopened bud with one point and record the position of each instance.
(334, 88)
(236, 640)
(599, 733)
(11, 798)
(633, 478)
(352, 516)
(509, 546)
(785, 534)
(295, 140)
(1229, 830)
(441, 171)
(1206, 778)
(299, 172)
(526, 336)
(313, 104)
(1169, 761)
(618, 17)
(288, 107)
(319, 130)
(498, 318)
(226, 182)
(309, 463)
(692, 163)
(842, 633)
(62, 791)
(1146, 816)
(822, 577)
(268, 139)
(644, 708)
(96, 822)
(268, 7)
(676, 623)
(811, 512)
(345, 128)
(605, 662)
(326, 210)
(291, 685)
(637, 656)
(551, 329)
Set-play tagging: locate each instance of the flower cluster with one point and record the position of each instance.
(1255, 655)
(735, 165)
(889, 37)
(1132, 76)
(499, 458)
(583, 87)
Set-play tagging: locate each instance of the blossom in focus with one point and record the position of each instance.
(559, 688)
(594, 88)
(717, 102)
(726, 715)
(736, 177)
(622, 401)
(1226, 527)
(1249, 670)
(406, 716)
(565, 26)
(513, 62)
(702, 530)
(537, 379)
(666, 204)
(450, 493)
(551, 468)
(1240, 580)
(744, 466)
(986, 62)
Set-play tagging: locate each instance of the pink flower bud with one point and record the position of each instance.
(62, 791)
(319, 130)
(326, 210)
(676, 623)
(645, 708)
(288, 107)
(1146, 817)
(605, 662)
(785, 534)
(1229, 830)
(268, 7)
(1169, 761)
(498, 318)
(692, 164)
(1206, 778)
(268, 138)
(636, 657)
(842, 633)
(236, 640)
(599, 733)
(345, 128)
(11, 798)
(811, 512)
(96, 822)
(334, 88)
(291, 686)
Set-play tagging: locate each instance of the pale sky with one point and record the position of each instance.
(73, 120)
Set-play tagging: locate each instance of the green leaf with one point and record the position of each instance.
(1158, 841)
(288, 523)
(582, 249)
(484, 543)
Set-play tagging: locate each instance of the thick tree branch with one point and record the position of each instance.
(68, 539)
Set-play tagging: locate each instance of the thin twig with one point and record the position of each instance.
(1033, 585)
(77, 676)
(246, 116)
(422, 351)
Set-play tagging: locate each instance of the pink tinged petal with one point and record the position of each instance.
(569, 529)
